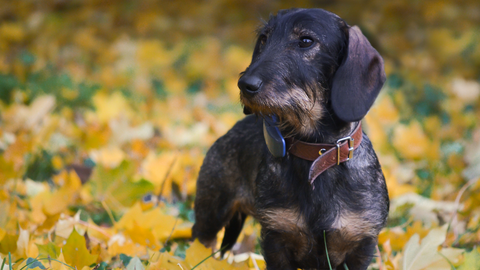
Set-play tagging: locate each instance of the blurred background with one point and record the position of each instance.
(107, 109)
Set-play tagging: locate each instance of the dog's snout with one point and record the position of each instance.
(250, 84)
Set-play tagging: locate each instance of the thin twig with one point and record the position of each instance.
(457, 202)
(109, 212)
(171, 233)
(90, 226)
(170, 168)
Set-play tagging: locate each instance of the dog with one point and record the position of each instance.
(300, 164)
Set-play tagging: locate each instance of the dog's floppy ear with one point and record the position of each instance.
(358, 79)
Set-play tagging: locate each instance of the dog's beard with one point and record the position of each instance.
(299, 110)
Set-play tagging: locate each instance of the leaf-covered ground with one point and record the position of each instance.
(108, 107)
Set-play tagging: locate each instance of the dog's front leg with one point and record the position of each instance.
(362, 256)
(276, 252)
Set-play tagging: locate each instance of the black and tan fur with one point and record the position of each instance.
(319, 76)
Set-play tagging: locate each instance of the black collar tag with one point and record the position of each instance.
(273, 137)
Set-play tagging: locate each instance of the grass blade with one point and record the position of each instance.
(10, 260)
(44, 259)
(207, 258)
(326, 250)
(3, 263)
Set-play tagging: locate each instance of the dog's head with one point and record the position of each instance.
(308, 63)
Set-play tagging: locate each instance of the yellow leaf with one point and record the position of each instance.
(59, 263)
(395, 188)
(60, 199)
(8, 168)
(37, 215)
(8, 243)
(152, 54)
(385, 110)
(14, 155)
(142, 235)
(412, 143)
(12, 32)
(167, 261)
(376, 133)
(109, 157)
(174, 83)
(198, 252)
(397, 236)
(100, 233)
(127, 220)
(182, 230)
(158, 169)
(49, 249)
(57, 162)
(161, 224)
(98, 135)
(76, 252)
(111, 107)
(119, 244)
(2, 233)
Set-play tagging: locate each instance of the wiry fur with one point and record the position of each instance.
(240, 177)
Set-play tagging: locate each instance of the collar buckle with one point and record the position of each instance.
(350, 147)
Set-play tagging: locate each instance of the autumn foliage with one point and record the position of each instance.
(108, 107)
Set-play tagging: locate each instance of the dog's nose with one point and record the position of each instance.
(249, 84)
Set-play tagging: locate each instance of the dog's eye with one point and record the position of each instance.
(305, 42)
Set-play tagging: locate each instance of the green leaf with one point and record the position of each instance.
(48, 250)
(32, 263)
(76, 253)
(125, 259)
(40, 168)
(472, 261)
(7, 84)
(130, 192)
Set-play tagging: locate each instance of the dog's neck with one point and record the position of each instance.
(326, 131)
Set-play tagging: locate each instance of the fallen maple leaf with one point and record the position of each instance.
(419, 256)
(200, 257)
(76, 252)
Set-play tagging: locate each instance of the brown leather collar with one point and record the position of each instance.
(325, 155)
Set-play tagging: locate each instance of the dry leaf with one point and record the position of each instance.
(419, 256)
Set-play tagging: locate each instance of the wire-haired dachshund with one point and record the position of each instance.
(300, 164)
